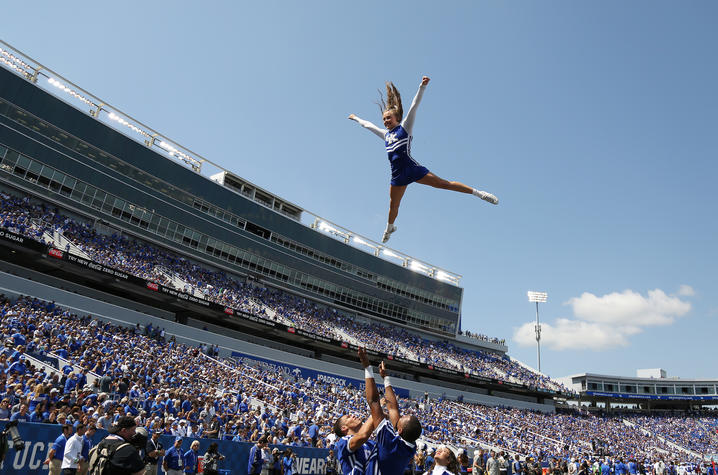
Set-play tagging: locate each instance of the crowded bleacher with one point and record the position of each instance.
(156, 249)
(42, 222)
(191, 392)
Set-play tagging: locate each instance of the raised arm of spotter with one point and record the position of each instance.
(362, 436)
(392, 404)
(372, 393)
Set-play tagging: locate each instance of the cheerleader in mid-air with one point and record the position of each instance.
(404, 169)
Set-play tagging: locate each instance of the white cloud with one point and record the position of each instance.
(565, 334)
(629, 308)
(686, 291)
(607, 321)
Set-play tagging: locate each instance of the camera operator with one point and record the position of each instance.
(125, 459)
(8, 435)
(139, 440)
(331, 463)
(275, 467)
(212, 459)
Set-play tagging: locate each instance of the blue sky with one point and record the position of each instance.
(593, 122)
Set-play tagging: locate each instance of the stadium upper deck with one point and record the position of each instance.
(648, 392)
(73, 149)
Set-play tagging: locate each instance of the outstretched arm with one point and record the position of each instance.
(372, 393)
(391, 403)
(368, 125)
(408, 122)
(362, 436)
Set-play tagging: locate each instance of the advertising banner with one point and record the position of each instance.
(7, 236)
(667, 397)
(37, 441)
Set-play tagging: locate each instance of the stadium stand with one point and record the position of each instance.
(97, 209)
(180, 389)
(40, 221)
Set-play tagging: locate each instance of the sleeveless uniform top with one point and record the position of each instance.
(392, 454)
(353, 463)
(404, 169)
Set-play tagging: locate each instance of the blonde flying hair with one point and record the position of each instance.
(393, 101)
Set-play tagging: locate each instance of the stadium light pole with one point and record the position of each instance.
(538, 297)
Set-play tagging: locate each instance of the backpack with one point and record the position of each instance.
(102, 453)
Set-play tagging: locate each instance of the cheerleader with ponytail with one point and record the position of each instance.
(404, 169)
(445, 463)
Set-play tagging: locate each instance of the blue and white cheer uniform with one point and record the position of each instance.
(404, 169)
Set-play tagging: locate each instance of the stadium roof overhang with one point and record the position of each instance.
(101, 110)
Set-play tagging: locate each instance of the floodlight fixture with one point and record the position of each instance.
(329, 229)
(71, 92)
(417, 266)
(389, 252)
(173, 152)
(324, 226)
(358, 240)
(12, 66)
(14, 59)
(15, 63)
(166, 147)
(121, 120)
(441, 275)
(538, 297)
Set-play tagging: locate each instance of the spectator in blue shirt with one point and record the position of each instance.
(82, 378)
(313, 433)
(19, 339)
(70, 383)
(621, 468)
(21, 415)
(86, 446)
(5, 409)
(191, 459)
(289, 462)
(130, 408)
(17, 354)
(54, 456)
(254, 465)
(38, 414)
(17, 367)
(172, 463)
